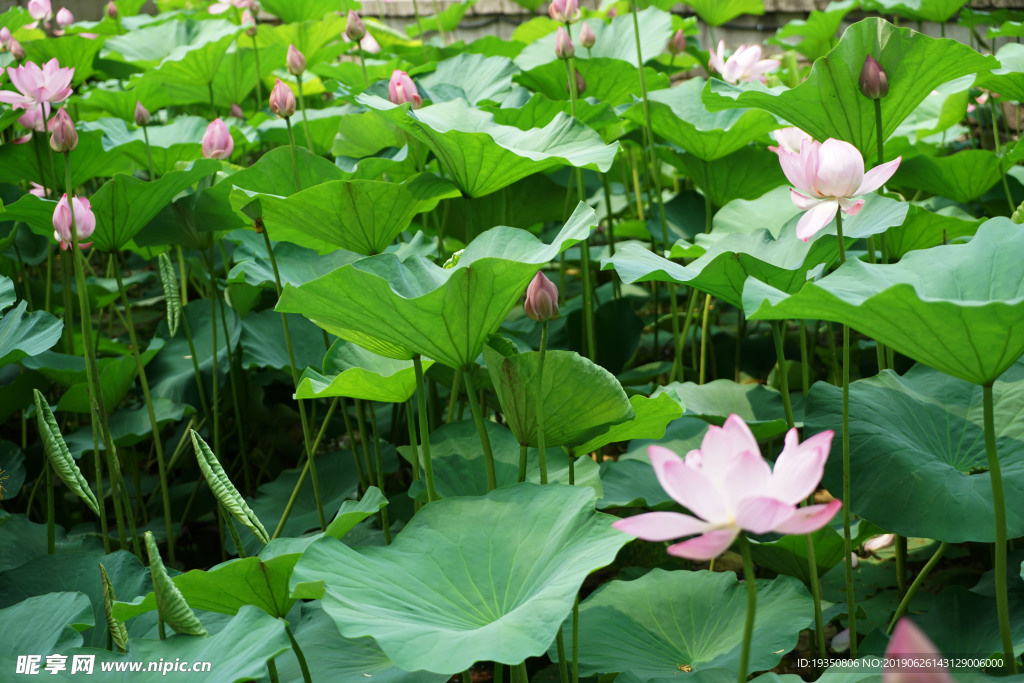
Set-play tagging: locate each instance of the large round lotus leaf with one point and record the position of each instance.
(759, 406)
(656, 625)
(958, 308)
(353, 372)
(482, 156)
(962, 177)
(915, 63)
(445, 594)
(24, 334)
(917, 451)
(441, 313)
(45, 624)
(939, 11)
(678, 115)
(1009, 80)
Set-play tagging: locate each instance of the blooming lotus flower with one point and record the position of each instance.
(217, 142)
(909, 643)
(829, 176)
(85, 221)
(677, 43)
(564, 11)
(33, 119)
(355, 29)
(587, 37)
(295, 61)
(789, 139)
(37, 190)
(64, 18)
(38, 87)
(745, 64)
(40, 10)
(142, 116)
(64, 137)
(401, 89)
(563, 44)
(221, 7)
(730, 488)
(541, 299)
(282, 100)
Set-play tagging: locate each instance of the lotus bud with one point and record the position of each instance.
(841, 641)
(236, 111)
(563, 44)
(141, 114)
(541, 299)
(677, 43)
(17, 51)
(612, 13)
(401, 90)
(296, 62)
(249, 22)
(587, 37)
(564, 11)
(5, 38)
(581, 85)
(40, 10)
(64, 18)
(112, 10)
(64, 137)
(355, 29)
(282, 100)
(84, 221)
(874, 83)
(217, 142)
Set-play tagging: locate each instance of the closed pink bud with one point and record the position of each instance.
(217, 142)
(587, 37)
(282, 100)
(581, 85)
(5, 38)
(874, 82)
(236, 111)
(112, 10)
(563, 44)
(65, 18)
(17, 51)
(296, 62)
(677, 43)
(142, 116)
(249, 23)
(612, 13)
(40, 10)
(401, 90)
(355, 29)
(64, 137)
(541, 299)
(564, 11)
(84, 221)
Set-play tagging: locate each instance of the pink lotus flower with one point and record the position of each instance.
(909, 643)
(355, 29)
(248, 23)
(587, 37)
(295, 61)
(38, 87)
(563, 44)
(64, 137)
(789, 139)
(85, 221)
(829, 176)
(282, 100)
(33, 119)
(564, 11)
(17, 51)
(401, 89)
(745, 64)
(217, 142)
(142, 117)
(369, 44)
(40, 10)
(64, 18)
(677, 43)
(5, 38)
(541, 299)
(731, 488)
(221, 7)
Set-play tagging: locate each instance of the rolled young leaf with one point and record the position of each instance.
(170, 604)
(224, 490)
(59, 456)
(170, 285)
(118, 633)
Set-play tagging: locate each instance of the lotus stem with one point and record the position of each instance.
(453, 396)
(291, 143)
(305, 470)
(364, 482)
(905, 602)
(748, 625)
(419, 26)
(310, 451)
(541, 436)
(522, 463)
(575, 636)
(704, 326)
(380, 474)
(229, 522)
(999, 505)
(421, 408)
(271, 668)
(563, 664)
(215, 402)
(232, 378)
(158, 445)
(363, 440)
(305, 120)
(149, 155)
(481, 428)
(298, 655)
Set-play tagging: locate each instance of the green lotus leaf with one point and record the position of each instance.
(759, 406)
(631, 483)
(963, 177)
(915, 63)
(439, 612)
(116, 379)
(363, 216)
(918, 442)
(90, 160)
(442, 313)
(924, 229)
(612, 81)
(939, 11)
(717, 12)
(46, 623)
(179, 140)
(817, 35)
(973, 629)
(445, 20)
(957, 308)
(264, 346)
(295, 265)
(131, 426)
(68, 50)
(482, 156)
(615, 40)
(788, 555)
(291, 11)
(650, 418)
(24, 334)
(1008, 80)
(679, 116)
(324, 125)
(663, 621)
(747, 173)
(353, 372)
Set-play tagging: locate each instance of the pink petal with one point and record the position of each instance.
(669, 469)
(762, 514)
(878, 176)
(748, 477)
(706, 546)
(808, 519)
(716, 59)
(909, 641)
(879, 542)
(687, 486)
(800, 466)
(851, 207)
(721, 446)
(816, 219)
(661, 526)
(840, 169)
(803, 203)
